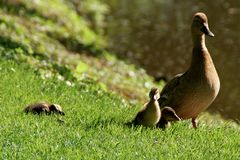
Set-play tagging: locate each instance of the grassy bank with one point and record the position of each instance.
(57, 56)
(61, 40)
(94, 125)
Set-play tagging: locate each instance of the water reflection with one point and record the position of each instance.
(156, 35)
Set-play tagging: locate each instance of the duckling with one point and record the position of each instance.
(38, 108)
(192, 92)
(46, 108)
(150, 114)
(56, 109)
(168, 115)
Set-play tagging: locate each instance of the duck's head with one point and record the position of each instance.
(56, 108)
(154, 94)
(200, 25)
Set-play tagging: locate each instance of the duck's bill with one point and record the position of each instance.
(207, 31)
(61, 113)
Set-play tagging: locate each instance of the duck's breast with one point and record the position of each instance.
(198, 97)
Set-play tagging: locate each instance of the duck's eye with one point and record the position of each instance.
(197, 20)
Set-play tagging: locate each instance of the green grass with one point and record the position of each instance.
(61, 40)
(94, 125)
(57, 57)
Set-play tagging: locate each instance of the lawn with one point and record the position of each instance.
(94, 125)
(57, 57)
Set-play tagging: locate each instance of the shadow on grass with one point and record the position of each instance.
(13, 50)
(103, 123)
(74, 45)
(8, 43)
(19, 8)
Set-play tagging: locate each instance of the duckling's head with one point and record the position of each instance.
(169, 114)
(200, 25)
(56, 108)
(154, 94)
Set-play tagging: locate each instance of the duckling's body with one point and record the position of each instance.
(37, 108)
(150, 114)
(192, 92)
(168, 115)
(46, 108)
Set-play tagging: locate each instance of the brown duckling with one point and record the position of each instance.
(168, 115)
(150, 114)
(55, 108)
(192, 92)
(39, 108)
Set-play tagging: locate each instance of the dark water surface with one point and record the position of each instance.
(156, 35)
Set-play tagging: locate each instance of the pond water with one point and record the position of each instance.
(155, 34)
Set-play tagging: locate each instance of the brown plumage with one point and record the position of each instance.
(192, 92)
(46, 108)
(168, 115)
(55, 108)
(150, 114)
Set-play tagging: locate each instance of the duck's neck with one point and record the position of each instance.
(199, 41)
(201, 58)
(152, 101)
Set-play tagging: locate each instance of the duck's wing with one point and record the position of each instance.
(170, 88)
(37, 108)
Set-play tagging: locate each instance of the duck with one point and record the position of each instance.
(168, 115)
(40, 108)
(192, 92)
(150, 114)
(55, 108)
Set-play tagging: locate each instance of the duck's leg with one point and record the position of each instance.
(194, 122)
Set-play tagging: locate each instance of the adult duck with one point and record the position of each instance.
(192, 92)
